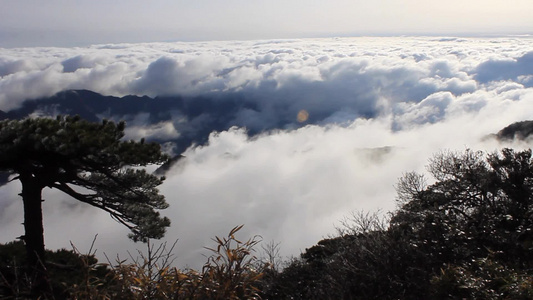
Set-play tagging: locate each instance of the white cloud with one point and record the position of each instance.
(504, 69)
(160, 131)
(380, 107)
(338, 69)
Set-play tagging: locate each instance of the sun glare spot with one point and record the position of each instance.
(302, 116)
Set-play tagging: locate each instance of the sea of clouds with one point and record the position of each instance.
(376, 107)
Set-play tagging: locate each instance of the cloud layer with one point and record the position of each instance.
(377, 107)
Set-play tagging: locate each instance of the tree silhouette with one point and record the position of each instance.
(464, 232)
(477, 205)
(89, 162)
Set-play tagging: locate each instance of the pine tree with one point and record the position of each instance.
(89, 162)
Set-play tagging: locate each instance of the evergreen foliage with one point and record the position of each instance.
(68, 270)
(469, 234)
(89, 162)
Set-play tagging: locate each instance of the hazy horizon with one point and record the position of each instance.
(31, 23)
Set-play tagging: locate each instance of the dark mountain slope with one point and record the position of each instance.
(194, 118)
(519, 130)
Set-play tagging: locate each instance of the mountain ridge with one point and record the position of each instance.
(193, 118)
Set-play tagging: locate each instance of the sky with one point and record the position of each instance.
(353, 94)
(84, 22)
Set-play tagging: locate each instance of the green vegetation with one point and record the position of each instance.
(467, 235)
(464, 233)
(68, 152)
(231, 272)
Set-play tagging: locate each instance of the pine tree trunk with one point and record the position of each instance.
(34, 233)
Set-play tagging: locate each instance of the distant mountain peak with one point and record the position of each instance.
(519, 130)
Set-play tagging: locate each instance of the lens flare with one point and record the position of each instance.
(302, 116)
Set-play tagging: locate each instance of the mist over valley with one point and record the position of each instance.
(284, 136)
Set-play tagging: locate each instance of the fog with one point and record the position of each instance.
(375, 108)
